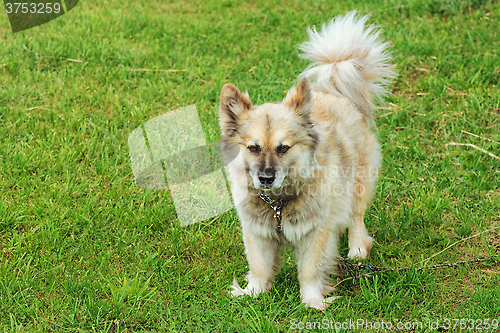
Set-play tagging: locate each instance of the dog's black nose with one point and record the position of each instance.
(266, 181)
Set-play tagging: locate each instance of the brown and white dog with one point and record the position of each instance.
(308, 165)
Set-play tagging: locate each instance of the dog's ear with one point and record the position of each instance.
(233, 105)
(299, 98)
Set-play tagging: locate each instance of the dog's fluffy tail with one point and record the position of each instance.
(349, 60)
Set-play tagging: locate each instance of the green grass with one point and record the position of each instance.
(83, 249)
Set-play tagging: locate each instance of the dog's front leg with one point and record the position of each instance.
(316, 255)
(263, 255)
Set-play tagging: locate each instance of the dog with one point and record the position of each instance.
(307, 166)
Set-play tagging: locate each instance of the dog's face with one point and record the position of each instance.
(277, 141)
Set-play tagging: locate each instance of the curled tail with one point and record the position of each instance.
(349, 60)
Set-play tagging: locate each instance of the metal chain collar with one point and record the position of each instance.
(277, 206)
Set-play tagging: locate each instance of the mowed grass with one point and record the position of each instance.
(82, 248)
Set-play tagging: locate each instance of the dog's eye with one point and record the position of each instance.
(254, 149)
(282, 149)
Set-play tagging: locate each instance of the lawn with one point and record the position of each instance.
(83, 248)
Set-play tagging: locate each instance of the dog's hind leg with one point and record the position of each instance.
(360, 243)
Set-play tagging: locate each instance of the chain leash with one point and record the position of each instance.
(357, 270)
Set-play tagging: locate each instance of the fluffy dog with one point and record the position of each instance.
(308, 165)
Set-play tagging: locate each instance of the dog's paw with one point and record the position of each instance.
(320, 304)
(251, 290)
(358, 252)
(236, 290)
(360, 246)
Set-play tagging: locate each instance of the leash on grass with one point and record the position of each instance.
(358, 270)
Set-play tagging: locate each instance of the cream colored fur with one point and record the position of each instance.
(315, 152)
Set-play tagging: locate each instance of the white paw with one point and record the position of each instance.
(358, 252)
(320, 304)
(236, 290)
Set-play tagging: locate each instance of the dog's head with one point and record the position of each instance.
(277, 141)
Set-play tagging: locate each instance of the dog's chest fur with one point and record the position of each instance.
(287, 220)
